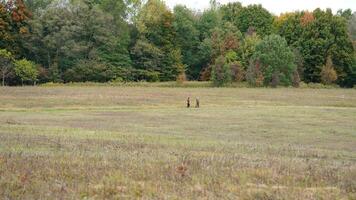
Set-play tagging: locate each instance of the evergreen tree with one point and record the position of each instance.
(276, 60)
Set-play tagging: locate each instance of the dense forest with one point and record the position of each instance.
(65, 41)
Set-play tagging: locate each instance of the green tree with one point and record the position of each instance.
(350, 80)
(156, 30)
(89, 71)
(187, 38)
(276, 59)
(147, 56)
(317, 35)
(247, 49)
(26, 70)
(352, 27)
(63, 35)
(116, 52)
(6, 60)
(209, 20)
(290, 27)
(37, 5)
(347, 13)
(255, 17)
(231, 11)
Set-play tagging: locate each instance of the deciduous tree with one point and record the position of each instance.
(276, 60)
(328, 73)
(221, 72)
(26, 70)
(6, 59)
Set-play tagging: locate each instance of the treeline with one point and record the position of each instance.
(131, 40)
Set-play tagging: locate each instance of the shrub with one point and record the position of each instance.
(221, 72)
(181, 78)
(238, 73)
(144, 75)
(89, 71)
(205, 74)
(6, 59)
(296, 79)
(254, 74)
(328, 73)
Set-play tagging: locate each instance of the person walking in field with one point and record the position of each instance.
(197, 103)
(188, 102)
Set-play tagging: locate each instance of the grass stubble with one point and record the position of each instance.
(142, 143)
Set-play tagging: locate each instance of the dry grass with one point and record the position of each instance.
(142, 143)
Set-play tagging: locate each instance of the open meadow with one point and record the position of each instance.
(102, 142)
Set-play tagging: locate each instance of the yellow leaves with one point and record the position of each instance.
(328, 73)
(282, 18)
(305, 19)
(23, 30)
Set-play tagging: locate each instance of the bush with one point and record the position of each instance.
(296, 79)
(89, 71)
(221, 72)
(205, 74)
(238, 73)
(254, 74)
(328, 73)
(144, 75)
(6, 59)
(181, 78)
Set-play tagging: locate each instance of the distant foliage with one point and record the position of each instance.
(352, 28)
(296, 79)
(317, 35)
(89, 71)
(187, 38)
(252, 16)
(306, 19)
(247, 49)
(14, 17)
(6, 60)
(238, 72)
(156, 30)
(136, 40)
(221, 72)
(328, 73)
(276, 59)
(26, 70)
(254, 74)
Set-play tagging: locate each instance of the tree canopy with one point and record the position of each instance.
(136, 40)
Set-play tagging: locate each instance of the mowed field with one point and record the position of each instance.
(105, 142)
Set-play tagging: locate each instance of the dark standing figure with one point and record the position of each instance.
(197, 103)
(188, 102)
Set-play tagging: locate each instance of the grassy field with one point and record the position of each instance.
(142, 143)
